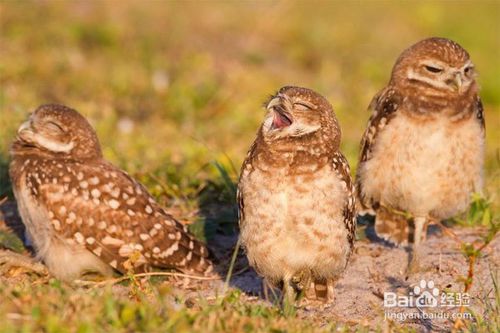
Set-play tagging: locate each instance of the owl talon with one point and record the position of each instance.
(415, 264)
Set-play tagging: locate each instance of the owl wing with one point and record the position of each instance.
(479, 111)
(113, 216)
(383, 108)
(241, 205)
(243, 172)
(341, 167)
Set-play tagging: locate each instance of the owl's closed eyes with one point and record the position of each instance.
(422, 152)
(296, 200)
(82, 213)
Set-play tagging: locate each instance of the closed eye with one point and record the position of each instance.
(302, 106)
(54, 126)
(433, 69)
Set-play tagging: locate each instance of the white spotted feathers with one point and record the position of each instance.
(73, 202)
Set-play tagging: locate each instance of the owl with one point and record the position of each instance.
(81, 213)
(296, 198)
(422, 152)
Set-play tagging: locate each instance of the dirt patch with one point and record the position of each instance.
(375, 267)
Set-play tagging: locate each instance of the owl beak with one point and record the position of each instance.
(274, 102)
(456, 82)
(24, 126)
(281, 118)
(25, 132)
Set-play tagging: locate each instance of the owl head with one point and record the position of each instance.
(296, 113)
(435, 67)
(58, 131)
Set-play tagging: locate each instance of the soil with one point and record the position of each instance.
(374, 269)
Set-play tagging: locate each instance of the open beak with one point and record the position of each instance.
(281, 118)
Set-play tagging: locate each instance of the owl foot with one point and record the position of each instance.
(392, 226)
(314, 304)
(414, 265)
(10, 259)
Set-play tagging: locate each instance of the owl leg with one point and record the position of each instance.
(419, 237)
(319, 293)
(289, 296)
(330, 290)
(391, 227)
(324, 290)
(10, 259)
(302, 282)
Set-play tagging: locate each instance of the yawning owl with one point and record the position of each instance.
(296, 198)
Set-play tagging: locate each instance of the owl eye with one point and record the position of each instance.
(54, 126)
(468, 70)
(433, 69)
(301, 106)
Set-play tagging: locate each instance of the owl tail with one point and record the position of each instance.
(200, 266)
(392, 227)
(196, 261)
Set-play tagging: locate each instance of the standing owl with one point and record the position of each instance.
(296, 197)
(81, 213)
(422, 153)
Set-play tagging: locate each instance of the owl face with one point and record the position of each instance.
(59, 131)
(435, 66)
(294, 113)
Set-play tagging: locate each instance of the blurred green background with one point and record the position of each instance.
(174, 86)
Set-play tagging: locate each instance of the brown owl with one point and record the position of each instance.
(296, 197)
(422, 152)
(81, 213)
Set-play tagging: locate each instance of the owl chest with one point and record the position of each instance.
(422, 164)
(291, 203)
(292, 223)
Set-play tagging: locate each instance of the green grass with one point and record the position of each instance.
(61, 309)
(175, 89)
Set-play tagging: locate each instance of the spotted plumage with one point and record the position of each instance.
(84, 214)
(422, 152)
(296, 197)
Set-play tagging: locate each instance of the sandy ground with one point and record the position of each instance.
(375, 268)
